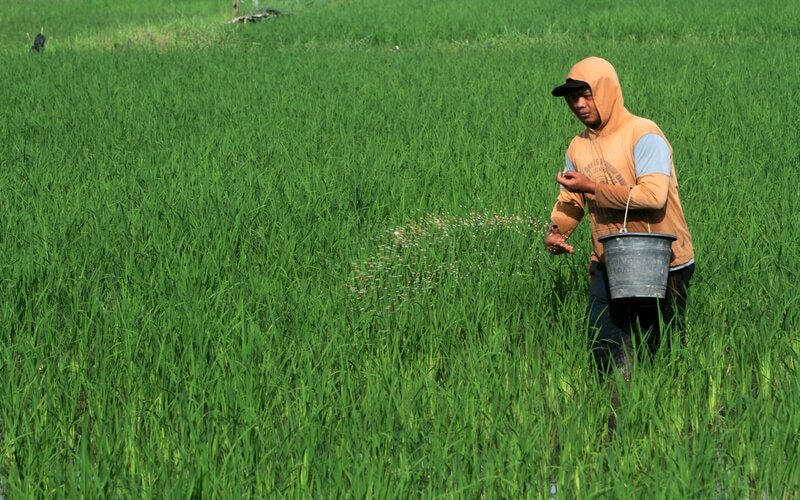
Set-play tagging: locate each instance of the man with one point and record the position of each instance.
(617, 158)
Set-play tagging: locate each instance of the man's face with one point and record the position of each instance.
(581, 103)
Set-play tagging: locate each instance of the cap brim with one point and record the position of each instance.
(568, 87)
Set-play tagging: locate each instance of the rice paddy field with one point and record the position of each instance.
(303, 257)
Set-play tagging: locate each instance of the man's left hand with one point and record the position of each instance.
(575, 182)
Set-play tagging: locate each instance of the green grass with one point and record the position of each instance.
(286, 259)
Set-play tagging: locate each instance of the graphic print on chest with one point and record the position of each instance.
(599, 170)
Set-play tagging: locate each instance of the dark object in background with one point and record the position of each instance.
(38, 42)
(264, 14)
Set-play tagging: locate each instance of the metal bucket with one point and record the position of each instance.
(637, 263)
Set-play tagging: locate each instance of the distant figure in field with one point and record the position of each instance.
(236, 6)
(38, 42)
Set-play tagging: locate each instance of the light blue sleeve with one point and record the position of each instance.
(569, 165)
(651, 155)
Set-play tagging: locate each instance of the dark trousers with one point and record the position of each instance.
(615, 324)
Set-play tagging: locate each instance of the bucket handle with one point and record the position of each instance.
(625, 219)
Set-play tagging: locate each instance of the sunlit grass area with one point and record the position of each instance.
(302, 257)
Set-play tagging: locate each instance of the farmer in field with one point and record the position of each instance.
(619, 159)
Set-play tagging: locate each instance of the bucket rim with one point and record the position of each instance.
(671, 237)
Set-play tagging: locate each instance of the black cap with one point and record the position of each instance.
(569, 86)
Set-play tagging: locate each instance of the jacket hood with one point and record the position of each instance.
(606, 91)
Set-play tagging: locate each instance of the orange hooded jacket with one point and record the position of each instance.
(606, 156)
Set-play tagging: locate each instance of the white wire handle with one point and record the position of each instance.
(625, 219)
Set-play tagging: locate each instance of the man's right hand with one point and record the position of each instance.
(556, 243)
